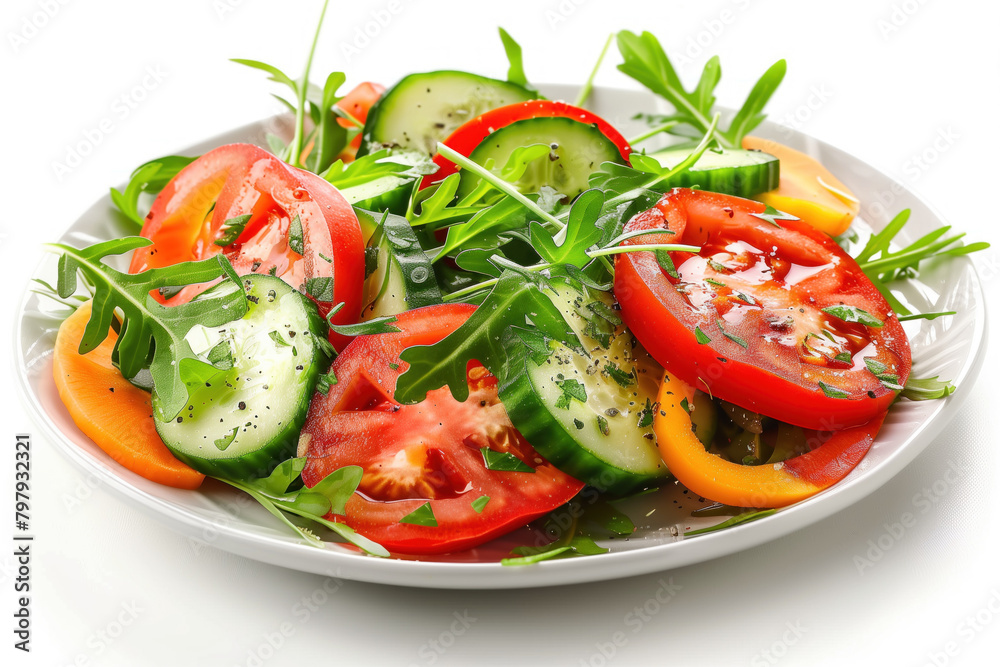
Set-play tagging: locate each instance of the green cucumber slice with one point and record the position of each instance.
(399, 275)
(577, 151)
(732, 171)
(423, 109)
(242, 422)
(606, 439)
(387, 193)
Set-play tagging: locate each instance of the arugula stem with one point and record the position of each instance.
(295, 149)
(345, 114)
(618, 250)
(651, 133)
(498, 183)
(593, 254)
(581, 99)
(904, 259)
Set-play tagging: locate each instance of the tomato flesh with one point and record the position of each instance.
(469, 135)
(744, 317)
(428, 453)
(189, 216)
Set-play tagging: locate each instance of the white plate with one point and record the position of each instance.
(952, 347)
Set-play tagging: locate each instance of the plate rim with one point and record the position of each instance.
(493, 575)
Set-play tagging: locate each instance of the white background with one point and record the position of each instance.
(881, 79)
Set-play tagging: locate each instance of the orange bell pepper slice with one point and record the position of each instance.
(768, 485)
(807, 189)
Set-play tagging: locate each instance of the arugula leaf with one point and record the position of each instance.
(771, 215)
(517, 302)
(422, 516)
(150, 177)
(745, 517)
(571, 389)
(406, 165)
(329, 136)
(645, 61)
(503, 461)
(231, 230)
(833, 392)
(571, 244)
(854, 314)
(479, 504)
(578, 545)
(152, 335)
(329, 496)
(513, 50)
(376, 325)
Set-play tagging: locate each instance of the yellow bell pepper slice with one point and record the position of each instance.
(807, 189)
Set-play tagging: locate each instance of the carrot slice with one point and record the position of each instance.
(112, 412)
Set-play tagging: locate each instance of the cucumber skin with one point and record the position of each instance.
(718, 179)
(261, 462)
(550, 438)
(378, 109)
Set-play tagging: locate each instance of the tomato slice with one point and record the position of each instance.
(744, 318)
(426, 458)
(465, 139)
(775, 485)
(189, 215)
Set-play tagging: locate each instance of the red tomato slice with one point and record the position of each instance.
(188, 217)
(743, 319)
(428, 453)
(471, 134)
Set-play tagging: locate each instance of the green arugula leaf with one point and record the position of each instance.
(503, 461)
(645, 61)
(771, 215)
(231, 230)
(330, 495)
(326, 381)
(579, 545)
(517, 301)
(513, 50)
(745, 517)
(330, 136)
(422, 516)
(833, 392)
(295, 240)
(479, 504)
(152, 335)
(571, 244)
(621, 378)
(150, 178)
(571, 389)
(405, 165)
(320, 288)
(854, 314)
(376, 325)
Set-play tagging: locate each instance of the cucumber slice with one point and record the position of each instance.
(733, 171)
(423, 109)
(399, 275)
(607, 439)
(577, 151)
(246, 420)
(388, 193)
